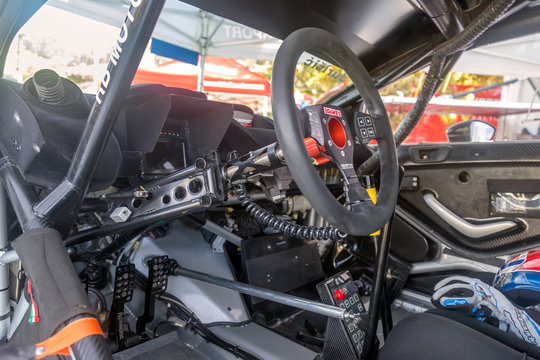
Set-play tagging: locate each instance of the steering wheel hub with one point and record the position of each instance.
(337, 134)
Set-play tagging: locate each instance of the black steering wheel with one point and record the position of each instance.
(333, 128)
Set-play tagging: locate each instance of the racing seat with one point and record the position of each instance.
(443, 336)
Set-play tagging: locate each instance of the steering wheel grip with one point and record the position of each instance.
(368, 217)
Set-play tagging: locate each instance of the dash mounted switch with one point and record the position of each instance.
(344, 338)
(330, 127)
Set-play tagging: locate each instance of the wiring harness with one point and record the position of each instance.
(202, 330)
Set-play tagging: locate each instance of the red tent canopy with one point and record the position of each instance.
(220, 75)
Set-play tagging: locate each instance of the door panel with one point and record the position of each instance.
(464, 181)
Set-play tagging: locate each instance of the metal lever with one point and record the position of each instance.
(473, 231)
(267, 294)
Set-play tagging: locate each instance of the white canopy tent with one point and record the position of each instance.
(188, 28)
(516, 58)
(184, 28)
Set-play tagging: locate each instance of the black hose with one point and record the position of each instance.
(117, 244)
(100, 296)
(435, 75)
(286, 227)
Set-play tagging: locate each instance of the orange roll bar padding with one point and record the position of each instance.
(59, 343)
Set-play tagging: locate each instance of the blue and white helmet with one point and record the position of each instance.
(519, 279)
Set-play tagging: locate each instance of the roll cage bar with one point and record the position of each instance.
(59, 208)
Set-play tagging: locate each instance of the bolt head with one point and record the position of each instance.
(342, 153)
(329, 142)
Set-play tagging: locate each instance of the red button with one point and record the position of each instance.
(340, 294)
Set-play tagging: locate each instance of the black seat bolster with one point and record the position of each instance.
(429, 336)
(508, 339)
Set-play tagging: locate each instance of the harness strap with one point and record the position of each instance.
(59, 343)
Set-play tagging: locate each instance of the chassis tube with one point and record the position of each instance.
(135, 223)
(383, 245)
(200, 164)
(141, 18)
(226, 234)
(21, 195)
(294, 301)
(7, 257)
(59, 208)
(5, 310)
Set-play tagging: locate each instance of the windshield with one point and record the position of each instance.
(75, 46)
(498, 84)
(237, 66)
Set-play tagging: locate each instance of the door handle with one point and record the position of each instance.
(474, 231)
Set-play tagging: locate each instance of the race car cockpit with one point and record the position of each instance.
(147, 221)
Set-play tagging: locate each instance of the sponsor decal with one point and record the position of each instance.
(524, 326)
(324, 67)
(454, 302)
(239, 32)
(117, 51)
(332, 112)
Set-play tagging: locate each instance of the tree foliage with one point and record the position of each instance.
(308, 80)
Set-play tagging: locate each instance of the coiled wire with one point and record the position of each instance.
(285, 227)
